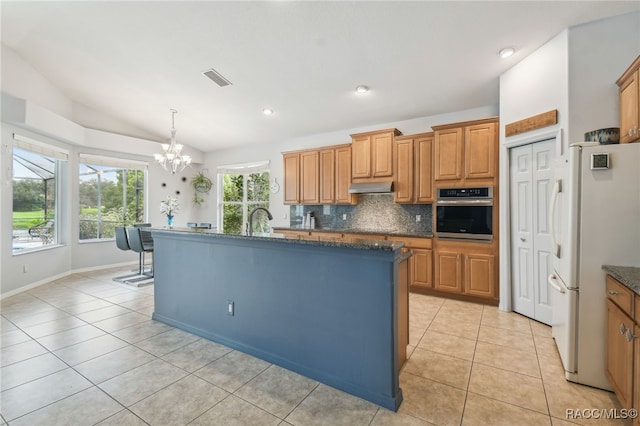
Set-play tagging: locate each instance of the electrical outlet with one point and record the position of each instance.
(25, 269)
(344, 216)
(418, 218)
(230, 307)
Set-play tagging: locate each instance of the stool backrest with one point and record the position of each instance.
(135, 241)
(121, 238)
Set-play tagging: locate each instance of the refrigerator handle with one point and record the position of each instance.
(553, 283)
(557, 189)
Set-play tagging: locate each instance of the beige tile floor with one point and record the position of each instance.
(83, 351)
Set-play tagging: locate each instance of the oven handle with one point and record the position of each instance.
(465, 202)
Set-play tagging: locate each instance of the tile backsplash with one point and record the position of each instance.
(375, 212)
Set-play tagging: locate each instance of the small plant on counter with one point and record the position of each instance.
(201, 185)
(169, 207)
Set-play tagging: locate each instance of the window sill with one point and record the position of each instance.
(37, 249)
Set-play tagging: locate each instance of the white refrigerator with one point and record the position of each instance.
(595, 220)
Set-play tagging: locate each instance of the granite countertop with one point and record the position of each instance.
(627, 275)
(381, 245)
(359, 231)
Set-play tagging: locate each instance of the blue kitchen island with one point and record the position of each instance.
(334, 312)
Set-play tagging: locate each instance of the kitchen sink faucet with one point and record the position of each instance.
(269, 215)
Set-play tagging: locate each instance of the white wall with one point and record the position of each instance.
(575, 73)
(273, 153)
(33, 107)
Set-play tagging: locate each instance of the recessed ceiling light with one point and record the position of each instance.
(362, 89)
(506, 52)
(267, 111)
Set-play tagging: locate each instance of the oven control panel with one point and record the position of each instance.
(481, 192)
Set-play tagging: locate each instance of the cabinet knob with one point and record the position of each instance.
(622, 328)
(629, 335)
(630, 132)
(613, 293)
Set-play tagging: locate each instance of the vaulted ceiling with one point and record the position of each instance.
(134, 61)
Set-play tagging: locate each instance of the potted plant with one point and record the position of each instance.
(201, 185)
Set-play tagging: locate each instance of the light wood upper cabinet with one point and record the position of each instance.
(382, 154)
(629, 84)
(413, 181)
(423, 148)
(480, 151)
(466, 151)
(403, 183)
(343, 176)
(318, 176)
(448, 154)
(327, 176)
(372, 155)
(309, 177)
(361, 157)
(291, 178)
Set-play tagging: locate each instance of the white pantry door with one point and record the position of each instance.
(531, 182)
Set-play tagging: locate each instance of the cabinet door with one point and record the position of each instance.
(382, 155)
(479, 275)
(421, 266)
(629, 109)
(327, 176)
(448, 154)
(448, 276)
(309, 182)
(361, 157)
(291, 178)
(480, 151)
(423, 151)
(403, 191)
(619, 354)
(343, 176)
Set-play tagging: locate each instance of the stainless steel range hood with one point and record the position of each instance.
(371, 188)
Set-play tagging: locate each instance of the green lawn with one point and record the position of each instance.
(25, 220)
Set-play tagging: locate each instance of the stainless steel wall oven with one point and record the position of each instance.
(465, 213)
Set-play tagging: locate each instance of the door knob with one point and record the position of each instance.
(522, 239)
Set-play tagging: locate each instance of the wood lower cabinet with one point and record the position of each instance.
(448, 271)
(623, 344)
(466, 268)
(421, 267)
(619, 354)
(629, 91)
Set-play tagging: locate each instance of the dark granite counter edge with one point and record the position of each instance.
(361, 245)
(629, 276)
(357, 231)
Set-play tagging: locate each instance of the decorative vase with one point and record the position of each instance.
(170, 220)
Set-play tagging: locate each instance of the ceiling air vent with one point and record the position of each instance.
(216, 77)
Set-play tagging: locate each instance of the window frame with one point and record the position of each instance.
(59, 157)
(245, 170)
(101, 165)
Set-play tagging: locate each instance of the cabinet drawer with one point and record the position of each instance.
(419, 243)
(620, 295)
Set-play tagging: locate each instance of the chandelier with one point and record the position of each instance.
(172, 159)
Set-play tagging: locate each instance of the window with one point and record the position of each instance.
(244, 187)
(111, 193)
(36, 170)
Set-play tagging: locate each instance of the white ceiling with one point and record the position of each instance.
(136, 60)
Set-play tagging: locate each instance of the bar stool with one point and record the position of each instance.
(141, 242)
(122, 242)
